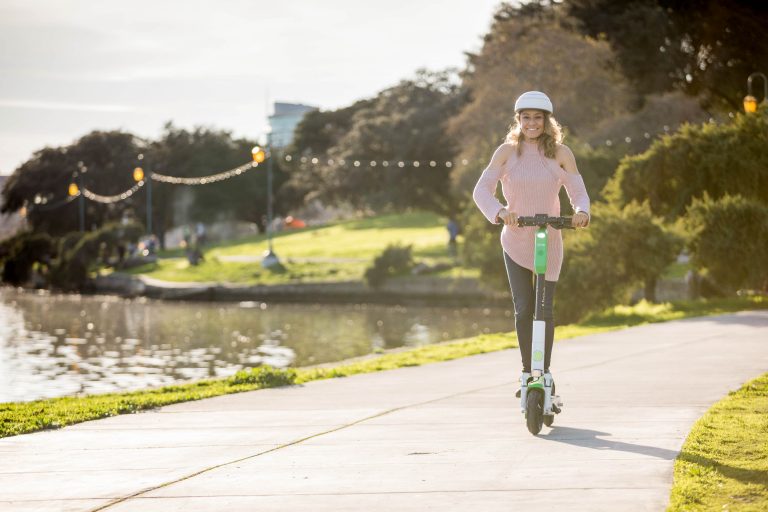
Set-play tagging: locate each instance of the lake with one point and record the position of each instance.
(55, 345)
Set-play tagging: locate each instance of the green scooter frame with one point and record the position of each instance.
(537, 390)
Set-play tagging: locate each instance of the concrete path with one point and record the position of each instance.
(446, 436)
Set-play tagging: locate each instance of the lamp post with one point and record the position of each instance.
(75, 188)
(270, 259)
(138, 175)
(750, 102)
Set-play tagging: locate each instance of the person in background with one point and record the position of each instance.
(453, 232)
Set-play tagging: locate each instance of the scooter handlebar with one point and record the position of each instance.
(542, 220)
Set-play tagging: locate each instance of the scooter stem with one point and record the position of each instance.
(539, 324)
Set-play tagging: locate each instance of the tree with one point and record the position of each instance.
(527, 48)
(202, 152)
(716, 159)
(41, 182)
(315, 135)
(402, 123)
(706, 48)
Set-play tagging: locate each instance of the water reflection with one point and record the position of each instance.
(55, 345)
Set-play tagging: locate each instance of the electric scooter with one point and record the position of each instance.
(538, 400)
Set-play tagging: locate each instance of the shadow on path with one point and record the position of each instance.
(593, 439)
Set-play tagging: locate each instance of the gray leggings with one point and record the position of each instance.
(522, 284)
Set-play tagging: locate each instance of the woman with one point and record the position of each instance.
(532, 165)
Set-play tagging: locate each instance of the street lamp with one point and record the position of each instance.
(74, 190)
(750, 102)
(138, 176)
(270, 259)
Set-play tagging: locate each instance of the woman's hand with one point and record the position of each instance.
(507, 217)
(580, 220)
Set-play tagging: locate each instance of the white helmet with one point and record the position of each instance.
(533, 99)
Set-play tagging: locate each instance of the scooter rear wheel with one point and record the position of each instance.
(550, 419)
(534, 410)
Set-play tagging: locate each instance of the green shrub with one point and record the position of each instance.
(394, 260)
(717, 159)
(22, 252)
(596, 166)
(621, 250)
(80, 253)
(69, 241)
(264, 376)
(482, 248)
(728, 241)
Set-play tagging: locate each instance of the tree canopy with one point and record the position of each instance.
(706, 48)
(713, 159)
(42, 181)
(402, 123)
(528, 48)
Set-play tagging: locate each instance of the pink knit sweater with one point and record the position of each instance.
(530, 184)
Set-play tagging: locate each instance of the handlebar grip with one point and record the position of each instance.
(541, 220)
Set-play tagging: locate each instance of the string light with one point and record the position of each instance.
(42, 204)
(98, 198)
(205, 180)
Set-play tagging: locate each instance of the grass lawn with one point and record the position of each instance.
(723, 464)
(23, 417)
(215, 270)
(358, 240)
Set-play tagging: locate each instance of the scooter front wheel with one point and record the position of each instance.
(534, 410)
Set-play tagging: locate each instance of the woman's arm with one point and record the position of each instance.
(485, 189)
(574, 186)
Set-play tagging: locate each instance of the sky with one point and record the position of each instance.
(68, 67)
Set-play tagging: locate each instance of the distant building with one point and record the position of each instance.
(284, 121)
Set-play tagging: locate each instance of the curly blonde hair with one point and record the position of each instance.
(548, 141)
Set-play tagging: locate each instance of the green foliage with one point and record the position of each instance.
(634, 131)
(20, 253)
(619, 251)
(596, 165)
(109, 157)
(23, 417)
(264, 377)
(320, 130)
(81, 253)
(716, 159)
(482, 248)
(69, 241)
(728, 241)
(602, 264)
(529, 47)
(394, 260)
(723, 464)
(404, 122)
(203, 151)
(705, 48)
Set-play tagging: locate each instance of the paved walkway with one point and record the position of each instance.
(444, 436)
